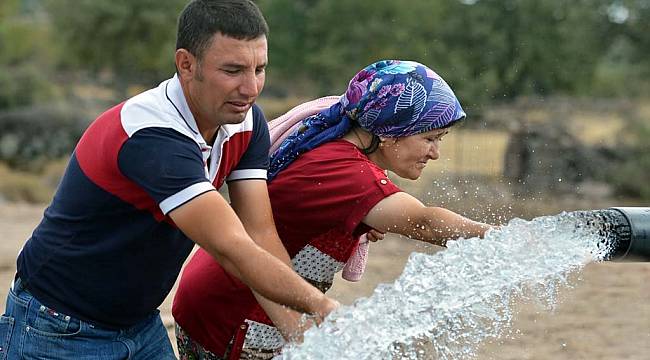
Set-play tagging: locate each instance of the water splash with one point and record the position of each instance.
(444, 305)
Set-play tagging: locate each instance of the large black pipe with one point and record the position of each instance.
(633, 245)
(625, 231)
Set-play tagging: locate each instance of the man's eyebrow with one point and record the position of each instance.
(233, 65)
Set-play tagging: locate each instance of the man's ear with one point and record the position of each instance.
(185, 64)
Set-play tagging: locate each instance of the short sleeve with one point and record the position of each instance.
(165, 164)
(331, 187)
(255, 161)
(373, 188)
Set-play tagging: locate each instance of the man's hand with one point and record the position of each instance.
(210, 222)
(250, 200)
(327, 307)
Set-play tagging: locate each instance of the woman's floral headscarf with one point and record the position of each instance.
(390, 98)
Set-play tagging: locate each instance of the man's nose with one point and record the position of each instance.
(250, 86)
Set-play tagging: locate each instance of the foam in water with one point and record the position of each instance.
(444, 305)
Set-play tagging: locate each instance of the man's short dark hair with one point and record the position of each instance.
(201, 19)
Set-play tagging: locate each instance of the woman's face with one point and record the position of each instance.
(408, 156)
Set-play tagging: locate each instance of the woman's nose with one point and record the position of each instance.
(434, 151)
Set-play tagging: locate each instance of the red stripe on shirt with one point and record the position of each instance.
(232, 151)
(97, 154)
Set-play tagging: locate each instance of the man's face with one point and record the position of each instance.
(229, 77)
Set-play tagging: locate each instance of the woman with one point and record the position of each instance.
(328, 186)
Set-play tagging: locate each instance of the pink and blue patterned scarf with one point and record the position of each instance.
(390, 98)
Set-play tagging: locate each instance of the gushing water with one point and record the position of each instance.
(444, 305)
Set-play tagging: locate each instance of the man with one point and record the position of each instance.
(139, 191)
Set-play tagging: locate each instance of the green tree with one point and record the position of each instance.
(625, 68)
(26, 56)
(341, 37)
(288, 21)
(487, 49)
(131, 40)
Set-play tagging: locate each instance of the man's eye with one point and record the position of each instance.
(231, 71)
(260, 71)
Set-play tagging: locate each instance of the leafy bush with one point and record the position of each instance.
(32, 137)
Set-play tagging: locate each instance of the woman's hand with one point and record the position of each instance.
(375, 235)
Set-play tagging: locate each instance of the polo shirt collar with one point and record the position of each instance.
(176, 98)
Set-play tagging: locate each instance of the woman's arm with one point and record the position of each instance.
(403, 214)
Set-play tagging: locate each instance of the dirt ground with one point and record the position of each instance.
(605, 316)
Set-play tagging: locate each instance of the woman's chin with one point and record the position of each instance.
(409, 175)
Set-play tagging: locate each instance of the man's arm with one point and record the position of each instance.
(210, 222)
(403, 214)
(250, 200)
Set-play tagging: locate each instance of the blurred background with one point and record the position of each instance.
(556, 91)
(557, 94)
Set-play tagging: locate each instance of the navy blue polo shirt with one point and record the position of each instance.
(106, 252)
